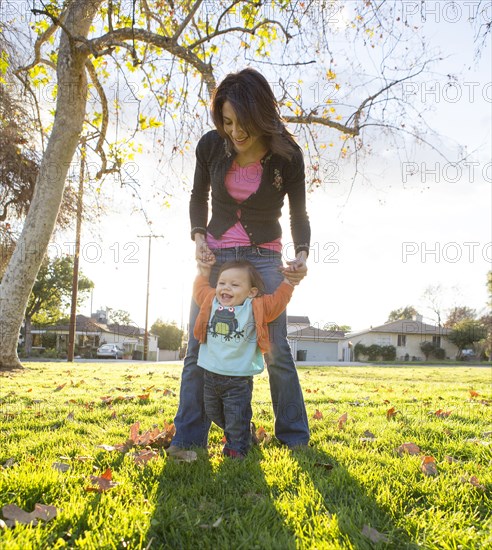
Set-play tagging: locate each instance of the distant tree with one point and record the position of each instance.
(427, 348)
(338, 328)
(458, 314)
(169, 335)
(407, 312)
(51, 293)
(466, 333)
(433, 298)
(119, 317)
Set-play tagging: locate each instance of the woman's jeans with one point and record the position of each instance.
(291, 424)
(227, 402)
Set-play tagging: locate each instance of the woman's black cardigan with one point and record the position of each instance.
(260, 212)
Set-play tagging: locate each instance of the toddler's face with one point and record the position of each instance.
(234, 286)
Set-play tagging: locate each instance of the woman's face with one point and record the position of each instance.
(243, 142)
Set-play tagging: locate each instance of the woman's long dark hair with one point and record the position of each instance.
(256, 109)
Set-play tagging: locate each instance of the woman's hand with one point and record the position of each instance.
(202, 251)
(296, 270)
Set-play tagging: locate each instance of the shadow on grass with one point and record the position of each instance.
(345, 497)
(216, 502)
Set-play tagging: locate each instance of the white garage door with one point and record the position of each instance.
(319, 351)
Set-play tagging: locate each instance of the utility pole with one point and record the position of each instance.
(146, 334)
(75, 280)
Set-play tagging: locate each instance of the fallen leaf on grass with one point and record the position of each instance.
(409, 448)
(70, 416)
(373, 535)
(134, 430)
(214, 525)
(145, 455)
(60, 466)
(13, 514)
(342, 421)
(429, 466)
(83, 458)
(441, 414)
(155, 437)
(318, 415)
(144, 397)
(391, 413)
(103, 482)
(473, 393)
(473, 480)
(168, 392)
(477, 441)
(262, 435)
(450, 460)
(60, 387)
(8, 463)
(368, 435)
(106, 447)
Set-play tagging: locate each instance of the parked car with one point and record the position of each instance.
(110, 350)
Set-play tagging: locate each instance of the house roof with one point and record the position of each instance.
(125, 330)
(297, 320)
(88, 324)
(405, 326)
(83, 324)
(315, 333)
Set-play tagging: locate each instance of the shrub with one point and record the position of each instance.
(373, 352)
(359, 349)
(48, 340)
(388, 353)
(427, 348)
(439, 353)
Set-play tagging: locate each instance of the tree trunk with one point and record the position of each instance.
(40, 221)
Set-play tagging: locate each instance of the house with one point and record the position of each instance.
(314, 344)
(297, 322)
(405, 335)
(92, 332)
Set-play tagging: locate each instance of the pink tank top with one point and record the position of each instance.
(241, 182)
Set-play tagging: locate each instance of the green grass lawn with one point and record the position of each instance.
(354, 488)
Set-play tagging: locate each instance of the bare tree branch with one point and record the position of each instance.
(186, 20)
(97, 45)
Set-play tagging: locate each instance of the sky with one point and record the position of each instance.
(375, 248)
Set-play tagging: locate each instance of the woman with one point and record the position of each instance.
(250, 162)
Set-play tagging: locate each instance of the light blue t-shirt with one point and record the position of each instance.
(231, 347)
